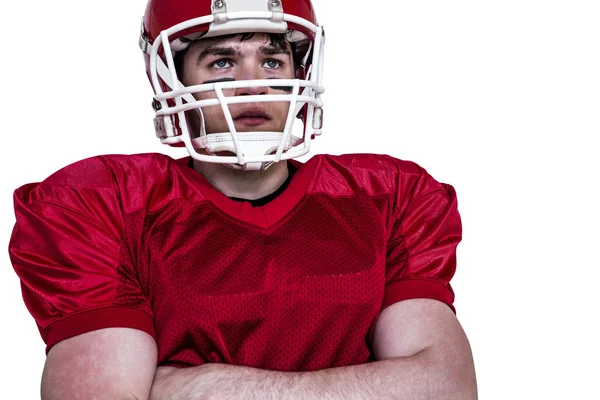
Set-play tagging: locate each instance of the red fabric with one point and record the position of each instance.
(145, 242)
(417, 288)
(98, 318)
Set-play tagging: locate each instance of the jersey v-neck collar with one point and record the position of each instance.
(272, 196)
(262, 216)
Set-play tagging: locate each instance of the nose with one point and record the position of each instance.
(248, 73)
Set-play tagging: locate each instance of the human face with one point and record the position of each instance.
(219, 59)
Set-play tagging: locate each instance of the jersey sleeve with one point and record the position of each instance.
(68, 251)
(421, 255)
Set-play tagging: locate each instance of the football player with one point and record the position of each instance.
(239, 272)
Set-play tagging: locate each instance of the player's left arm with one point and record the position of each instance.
(421, 349)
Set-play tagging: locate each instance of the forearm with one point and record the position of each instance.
(416, 377)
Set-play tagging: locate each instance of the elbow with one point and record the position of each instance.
(445, 373)
(457, 375)
(461, 386)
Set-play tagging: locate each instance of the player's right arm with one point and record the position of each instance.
(111, 363)
(81, 283)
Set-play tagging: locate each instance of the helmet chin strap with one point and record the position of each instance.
(252, 144)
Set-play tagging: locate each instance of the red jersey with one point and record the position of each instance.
(146, 242)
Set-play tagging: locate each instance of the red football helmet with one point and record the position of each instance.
(170, 26)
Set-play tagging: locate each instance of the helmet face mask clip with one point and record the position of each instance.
(179, 109)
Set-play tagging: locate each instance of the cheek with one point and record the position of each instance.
(214, 120)
(204, 96)
(188, 79)
(213, 114)
(212, 94)
(282, 107)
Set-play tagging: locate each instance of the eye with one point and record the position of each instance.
(272, 64)
(220, 64)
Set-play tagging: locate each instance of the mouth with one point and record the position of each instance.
(252, 117)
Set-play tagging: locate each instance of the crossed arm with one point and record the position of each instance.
(421, 349)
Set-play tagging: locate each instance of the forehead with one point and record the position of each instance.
(249, 41)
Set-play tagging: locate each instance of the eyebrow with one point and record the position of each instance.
(272, 50)
(217, 51)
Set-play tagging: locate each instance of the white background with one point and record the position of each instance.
(501, 99)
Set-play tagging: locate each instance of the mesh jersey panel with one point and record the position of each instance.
(295, 285)
(301, 296)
